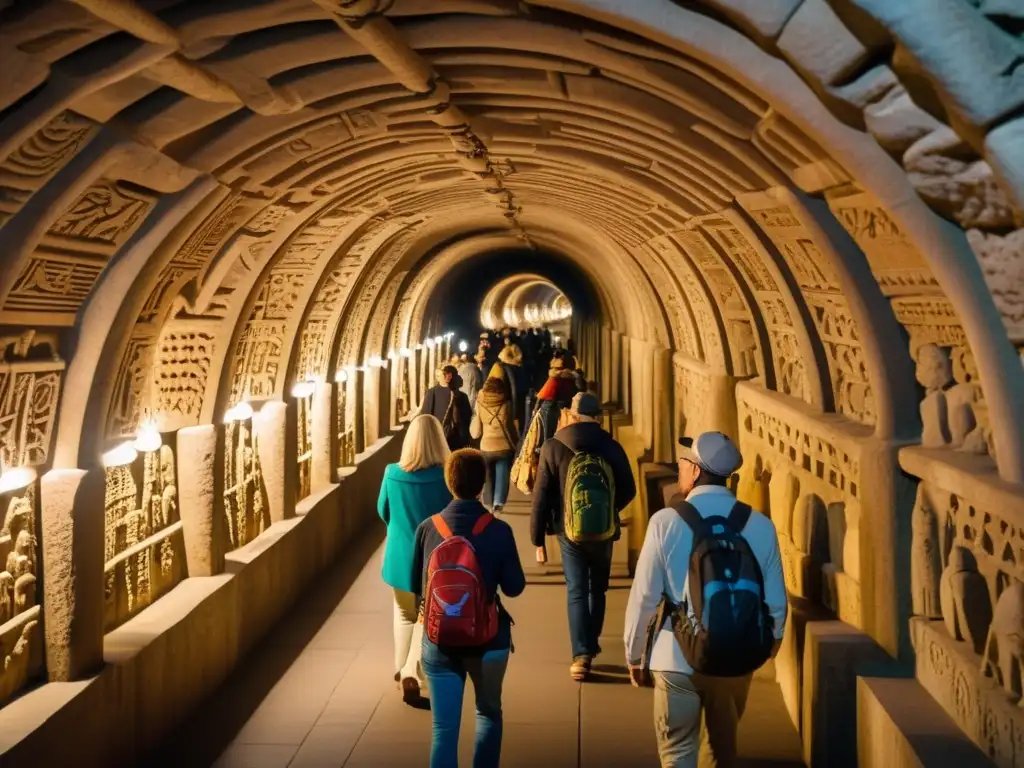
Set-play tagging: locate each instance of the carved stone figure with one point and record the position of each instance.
(925, 563)
(1004, 651)
(15, 671)
(169, 495)
(783, 490)
(965, 431)
(966, 606)
(934, 374)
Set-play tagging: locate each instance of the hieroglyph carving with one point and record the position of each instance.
(61, 272)
(245, 502)
(19, 554)
(787, 359)
(304, 444)
(279, 304)
(29, 392)
(30, 166)
(143, 543)
(684, 329)
(346, 425)
(819, 283)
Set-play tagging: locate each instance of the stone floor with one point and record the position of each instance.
(319, 693)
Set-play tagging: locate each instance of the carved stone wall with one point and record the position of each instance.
(21, 628)
(245, 497)
(144, 549)
(967, 570)
(304, 444)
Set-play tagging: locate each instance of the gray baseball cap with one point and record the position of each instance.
(713, 452)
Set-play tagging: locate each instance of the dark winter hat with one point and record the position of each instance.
(586, 405)
(465, 473)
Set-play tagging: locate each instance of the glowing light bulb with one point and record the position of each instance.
(405, 352)
(463, 346)
(241, 412)
(120, 456)
(148, 439)
(304, 389)
(341, 376)
(438, 340)
(16, 479)
(430, 343)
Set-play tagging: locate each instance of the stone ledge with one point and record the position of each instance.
(900, 726)
(161, 663)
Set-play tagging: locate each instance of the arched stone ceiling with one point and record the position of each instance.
(203, 202)
(522, 300)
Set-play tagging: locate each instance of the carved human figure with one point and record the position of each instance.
(934, 374)
(965, 431)
(169, 498)
(17, 507)
(6, 597)
(1004, 650)
(966, 606)
(15, 667)
(783, 490)
(925, 561)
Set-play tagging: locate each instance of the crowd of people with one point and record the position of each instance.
(707, 605)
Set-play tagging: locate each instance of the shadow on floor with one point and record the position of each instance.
(201, 739)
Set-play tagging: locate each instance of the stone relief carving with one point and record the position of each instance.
(925, 559)
(245, 497)
(684, 333)
(966, 607)
(143, 543)
(60, 274)
(30, 166)
(29, 393)
(1003, 657)
(19, 549)
(346, 422)
(829, 308)
(304, 444)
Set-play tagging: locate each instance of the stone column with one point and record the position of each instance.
(664, 419)
(275, 427)
(201, 498)
(372, 403)
(358, 392)
(385, 407)
(72, 544)
(324, 430)
(721, 409)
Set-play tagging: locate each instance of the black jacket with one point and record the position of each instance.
(496, 552)
(555, 455)
(436, 403)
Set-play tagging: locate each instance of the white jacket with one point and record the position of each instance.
(664, 564)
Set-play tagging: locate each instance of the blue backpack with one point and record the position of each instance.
(725, 627)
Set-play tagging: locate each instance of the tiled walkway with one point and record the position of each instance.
(319, 692)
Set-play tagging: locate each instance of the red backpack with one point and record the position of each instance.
(457, 610)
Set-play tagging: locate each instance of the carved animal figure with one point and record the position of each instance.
(925, 565)
(1004, 651)
(965, 602)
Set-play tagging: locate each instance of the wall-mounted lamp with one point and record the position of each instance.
(16, 479)
(430, 343)
(405, 352)
(304, 389)
(148, 439)
(463, 346)
(341, 376)
(120, 456)
(438, 340)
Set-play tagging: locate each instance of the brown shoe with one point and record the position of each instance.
(411, 691)
(580, 669)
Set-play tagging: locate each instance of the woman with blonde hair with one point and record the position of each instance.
(412, 491)
(493, 425)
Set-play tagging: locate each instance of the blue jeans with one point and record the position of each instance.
(499, 468)
(587, 568)
(446, 677)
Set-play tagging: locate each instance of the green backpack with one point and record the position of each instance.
(589, 498)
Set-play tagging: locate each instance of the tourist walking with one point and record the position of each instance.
(583, 482)
(710, 587)
(447, 403)
(472, 378)
(556, 394)
(494, 427)
(463, 556)
(412, 491)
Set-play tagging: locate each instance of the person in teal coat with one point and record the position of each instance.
(412, 490)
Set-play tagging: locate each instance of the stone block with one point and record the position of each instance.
(1004, 150)
(949, 670)
(72, 545)
(834, 654)
(276, 442)
(900, 726)
(765, 18)
(817, 42)
(201, 498)
(789, 660)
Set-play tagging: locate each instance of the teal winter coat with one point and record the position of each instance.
(406, 500)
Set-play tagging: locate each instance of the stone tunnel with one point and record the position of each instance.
(233, 234)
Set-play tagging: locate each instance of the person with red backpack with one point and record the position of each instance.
(707, 607)
(462, 558)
